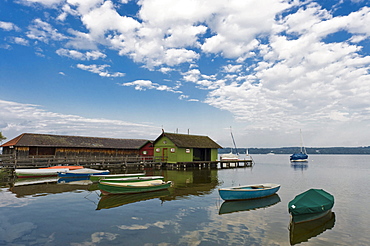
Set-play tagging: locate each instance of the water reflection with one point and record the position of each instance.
(112, 201)
(302, 232)
(246, 205)
(46, 186)
(300, 166)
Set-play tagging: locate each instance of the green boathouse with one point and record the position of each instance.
(174, 148)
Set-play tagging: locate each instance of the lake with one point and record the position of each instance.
(191, 212)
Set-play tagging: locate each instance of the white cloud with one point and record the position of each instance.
(8, 26)
(74, 54)
(100, 70)
(142, 85)
(44, 32)
(17, 118)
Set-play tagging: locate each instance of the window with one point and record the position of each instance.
(173, 150)
(187, 151)
(145, 152)
(157, 150)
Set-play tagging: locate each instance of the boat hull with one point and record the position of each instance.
(37, 173)
(107, 188)
(248, 192)
(133, 179)
(96, 178)
(84, 172)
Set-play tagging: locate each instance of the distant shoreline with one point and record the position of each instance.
(310, 150)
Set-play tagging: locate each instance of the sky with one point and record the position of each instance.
(128, 69)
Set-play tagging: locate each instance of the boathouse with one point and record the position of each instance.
(174, 148)
(30, 145)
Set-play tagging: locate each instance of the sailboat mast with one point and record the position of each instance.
(303, 150)
(232, 136)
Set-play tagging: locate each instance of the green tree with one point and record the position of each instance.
(2, 138)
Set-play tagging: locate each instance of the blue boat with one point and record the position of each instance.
(302, 155)
(248, 191)
(83, 172)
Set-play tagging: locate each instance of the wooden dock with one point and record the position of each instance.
(137, 162)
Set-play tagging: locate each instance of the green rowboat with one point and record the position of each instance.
(133, 179)
(107, 187)
(96, 178)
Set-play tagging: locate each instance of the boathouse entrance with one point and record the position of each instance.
(201, 154)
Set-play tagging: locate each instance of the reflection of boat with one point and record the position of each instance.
(36, 172)
(301, 232)
(133, 179)
(32, 181)
(248, 191)
(246, 205)
(310, 205)
(96, 178)
(134, 187)
(75, 181)
(83, 172)
(299, 165)
(302, 155)
(112, 201)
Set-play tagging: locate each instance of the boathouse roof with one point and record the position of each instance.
(190, 141)
(45, 140)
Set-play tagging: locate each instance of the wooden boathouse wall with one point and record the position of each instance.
(39, 146)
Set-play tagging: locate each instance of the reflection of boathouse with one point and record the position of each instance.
(174, 148)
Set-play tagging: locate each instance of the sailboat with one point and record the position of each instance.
(230, 156)
(302, 155)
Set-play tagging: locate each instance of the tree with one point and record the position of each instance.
(2, 138)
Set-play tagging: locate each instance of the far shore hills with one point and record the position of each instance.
(310, 150)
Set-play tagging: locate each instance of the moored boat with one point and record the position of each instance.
(133, 179)
(302, 155)
(310, 205)
(107, 187)
(96, 178)
(83, 172)
(248, 191)
(37, 172)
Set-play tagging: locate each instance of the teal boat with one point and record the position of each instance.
(107, 187)
(96, 178)
(248, 191)
(310, 205)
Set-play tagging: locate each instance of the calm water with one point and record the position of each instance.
(191, 212)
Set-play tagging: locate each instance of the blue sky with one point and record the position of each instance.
(127, 69)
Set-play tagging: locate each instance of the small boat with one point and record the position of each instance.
(246, 205)
(302, 155)
(96, 178)
(133, 179)
(37, 172)
(310, 205)
(248, 191)
(83, 172)
(231, 156)
(107, 187)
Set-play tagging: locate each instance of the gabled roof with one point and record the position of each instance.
(44, 140)
(190, 141)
